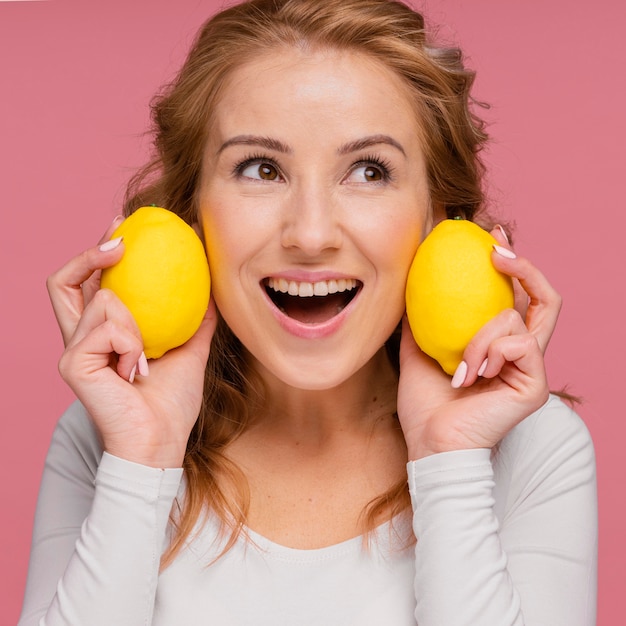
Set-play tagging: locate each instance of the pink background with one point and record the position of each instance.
(75, 81)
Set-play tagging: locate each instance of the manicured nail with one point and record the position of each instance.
(142, 365)
(505, 252)
(131, 376)
(117, 220)
(483, 367)
(459, 375)
(111, 244)
(506, 237)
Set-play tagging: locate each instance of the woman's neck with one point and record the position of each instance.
(354, 407)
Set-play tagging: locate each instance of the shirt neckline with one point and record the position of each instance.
(387, 535)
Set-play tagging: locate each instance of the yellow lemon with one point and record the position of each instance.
(163, 278)
(453, 289)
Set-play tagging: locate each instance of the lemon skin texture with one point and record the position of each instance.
(163, 278)
(453, 290)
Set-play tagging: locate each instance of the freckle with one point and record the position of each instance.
(374, 398)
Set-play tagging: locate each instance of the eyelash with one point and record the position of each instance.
(251, 160)
(385, 167)
(382, 164)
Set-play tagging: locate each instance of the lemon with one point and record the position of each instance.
(453, 289)
(163, 278)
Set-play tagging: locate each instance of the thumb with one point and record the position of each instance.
(416, 366)
(200, 344)
(408, 347)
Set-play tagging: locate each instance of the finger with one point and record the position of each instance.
(500, 235)
(65, 286)
(407, 343)
(92, 354)
(544, 302)
(518, 361)
(105, 306)
(520, 296)
(92, 284)
(424, 372)
(108, 233)
(199, 345)
(505, 324)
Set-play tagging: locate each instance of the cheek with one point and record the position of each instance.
(220, 252)
(223, 234)
(232, 246)
(396, 232)
(397, 246)
(214, 250)
(234, 227)
(211, 240)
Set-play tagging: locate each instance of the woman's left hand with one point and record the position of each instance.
(502, 378)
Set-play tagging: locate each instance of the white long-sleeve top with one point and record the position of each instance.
(503, 538)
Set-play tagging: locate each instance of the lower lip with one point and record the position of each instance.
(312, 331)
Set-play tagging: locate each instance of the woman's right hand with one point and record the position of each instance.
(145, 418)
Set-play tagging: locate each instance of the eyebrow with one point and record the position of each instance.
(278, 146)
(366, 142)
(253, 140)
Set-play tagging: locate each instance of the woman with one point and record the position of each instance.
(313, 145)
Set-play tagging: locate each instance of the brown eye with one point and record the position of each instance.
(367, 174)
(268, 172)
(372, 173)
(259, 170)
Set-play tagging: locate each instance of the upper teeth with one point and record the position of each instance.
(306, 290)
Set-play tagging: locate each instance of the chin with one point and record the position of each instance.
(315, 371)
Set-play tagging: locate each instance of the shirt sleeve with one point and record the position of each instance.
(509, 537)
(99, 532)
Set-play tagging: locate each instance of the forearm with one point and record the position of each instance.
(461, 568)
(509, 537)
(111, 575)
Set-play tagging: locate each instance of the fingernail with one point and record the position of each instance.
(506, 237)
(483, 367)
(117, 220)
(111, 244)
(142, 365)
(131, 376)
(505, 252)
(459, 375)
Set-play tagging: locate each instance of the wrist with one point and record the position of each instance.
(421, 447)
(155, 456)
(420, 451)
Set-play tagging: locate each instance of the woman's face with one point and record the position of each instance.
(313, 202)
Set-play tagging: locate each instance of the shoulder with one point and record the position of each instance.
(551, 449)
(555, 427)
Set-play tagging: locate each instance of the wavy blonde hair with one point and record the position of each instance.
(453, 136)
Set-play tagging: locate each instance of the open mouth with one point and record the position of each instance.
(312, 303)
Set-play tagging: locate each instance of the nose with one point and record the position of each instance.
(311, 222)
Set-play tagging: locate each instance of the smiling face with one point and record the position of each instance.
(313, 201)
